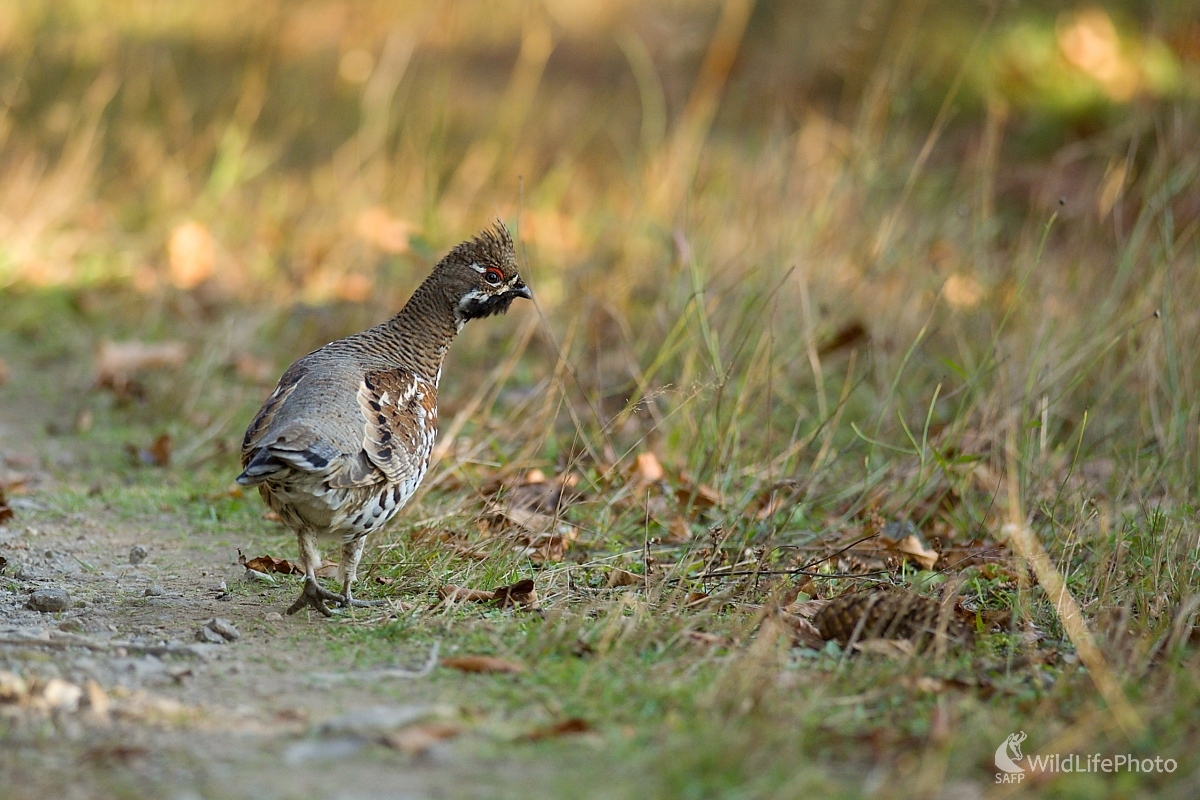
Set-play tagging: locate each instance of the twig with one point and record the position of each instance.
(431, 662)
(798, 571)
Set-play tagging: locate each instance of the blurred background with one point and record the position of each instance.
(732, 210)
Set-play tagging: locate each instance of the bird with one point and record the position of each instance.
(343, 441)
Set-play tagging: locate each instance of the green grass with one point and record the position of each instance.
(1019, 359)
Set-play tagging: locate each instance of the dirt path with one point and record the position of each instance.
(267, 715)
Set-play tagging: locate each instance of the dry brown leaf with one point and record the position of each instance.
(619, 577)
(807, 609)
(482, 664)
(461, 594)
(158, 454)
(649, 469)
(697, 495)
(267, 565)
(568, 727)
(4, 372)
(417, 739)
(521, 594)
(118, 362)
(678, 531)
(191, 255)
(377, 226)
(6, 512)
(849, 335)
(911, 546)
(803, 632)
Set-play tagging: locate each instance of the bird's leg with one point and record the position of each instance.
(312, 594)
(348, 572)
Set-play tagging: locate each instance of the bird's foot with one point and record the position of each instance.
(347, 600)
(313, 595)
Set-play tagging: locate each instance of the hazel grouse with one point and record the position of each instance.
(342, 443)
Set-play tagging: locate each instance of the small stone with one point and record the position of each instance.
(273, 616)
(154, 590)
(49, 601)
(254, 575)
(71, 626)
(209, 636)
(223, 628)
(137, 554)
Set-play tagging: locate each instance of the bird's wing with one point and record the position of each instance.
(400, 414)
(253, 439)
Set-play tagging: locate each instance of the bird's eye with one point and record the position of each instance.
(493, 276)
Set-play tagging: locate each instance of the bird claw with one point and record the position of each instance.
(313, 595)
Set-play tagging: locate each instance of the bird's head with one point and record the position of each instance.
(480, 275)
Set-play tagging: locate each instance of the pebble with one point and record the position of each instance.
(209, 636)
(273, 616)
(223, 628)
(154, 590)
(254, 575)
(49, 600)
(137, 554)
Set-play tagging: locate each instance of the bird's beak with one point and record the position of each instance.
(521, 290)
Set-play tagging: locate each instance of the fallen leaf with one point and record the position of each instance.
(649, 469)
(377, 226)
(158, 454)
(190, 255)
(329, 569)
(521, 594)
(802, 632)
(6, 512)
(807, 609)
(697, 495)
(620, 577)
(568, 727)
(911, 546)
(4, 371)
(678, 531)
(267, 565)
(417, 739)
(461, 594)
(118, 362)
(846, 336)
(481, 664)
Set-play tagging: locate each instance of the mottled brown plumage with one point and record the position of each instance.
(887, 614)
(344, 440)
